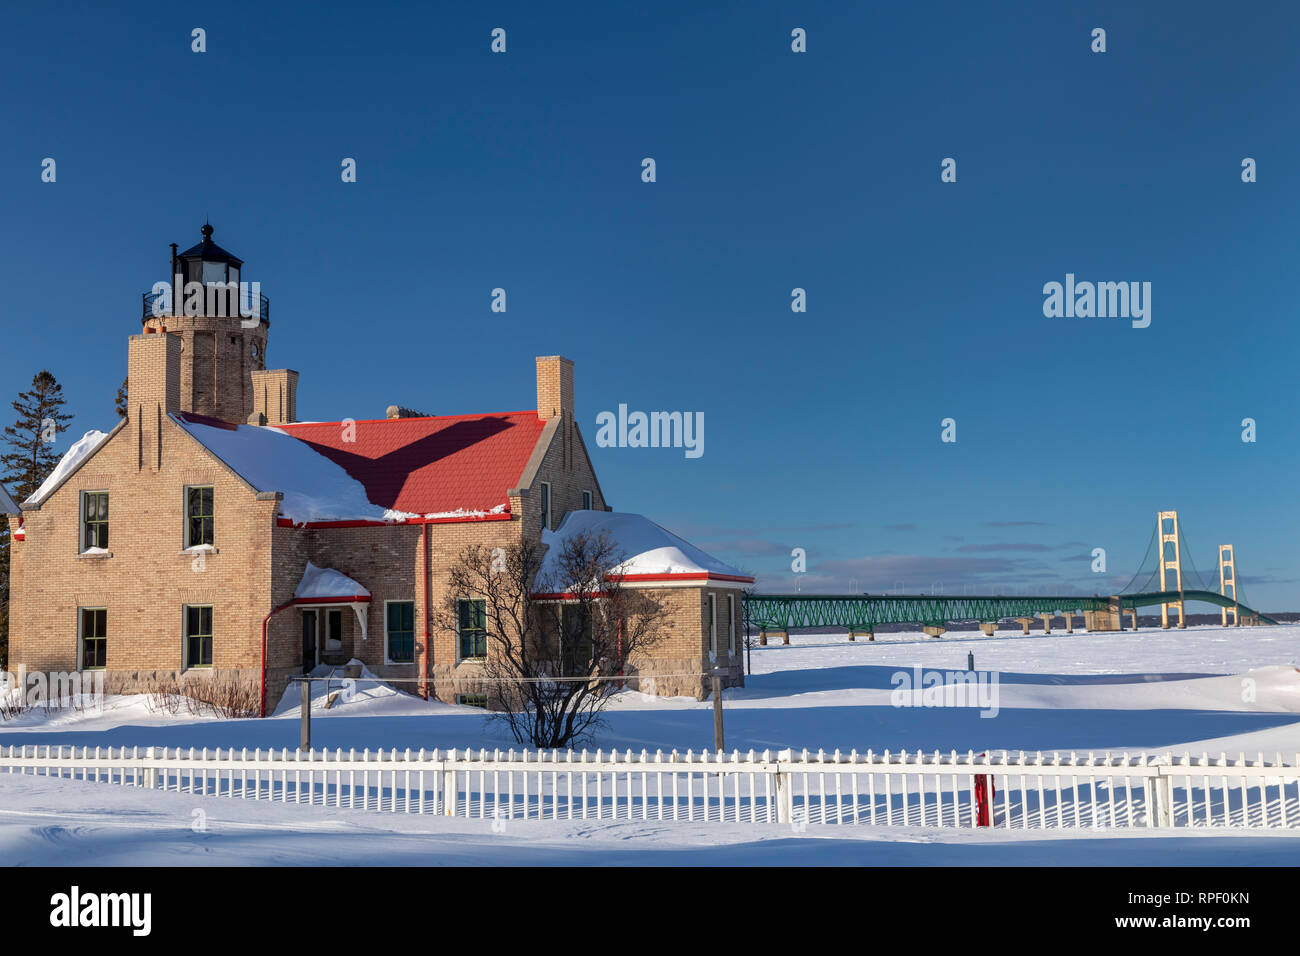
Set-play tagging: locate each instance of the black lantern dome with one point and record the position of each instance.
(208, 262)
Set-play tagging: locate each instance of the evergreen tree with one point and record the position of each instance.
(27, 462)
(41, 418)
(120, 405)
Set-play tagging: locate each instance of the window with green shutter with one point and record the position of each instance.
(472, 629)
(401, 632)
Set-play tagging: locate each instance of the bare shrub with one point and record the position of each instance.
(550, 663)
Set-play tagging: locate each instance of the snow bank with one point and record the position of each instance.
(53, 821)
(367, 696)
(75, 455)
(327, 583)
(647, 548)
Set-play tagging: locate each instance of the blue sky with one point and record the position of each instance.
(775, 170)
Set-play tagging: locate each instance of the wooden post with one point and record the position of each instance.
(305, 743)
(717, 713)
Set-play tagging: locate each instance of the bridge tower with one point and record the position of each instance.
(1169, 563)
(1228, 579)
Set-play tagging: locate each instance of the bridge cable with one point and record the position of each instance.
(1128, 588)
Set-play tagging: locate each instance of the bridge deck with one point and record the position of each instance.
(783, 611)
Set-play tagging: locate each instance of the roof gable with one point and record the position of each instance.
(81, 451)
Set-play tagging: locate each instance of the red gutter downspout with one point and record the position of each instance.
(424, 571)
(282, 607)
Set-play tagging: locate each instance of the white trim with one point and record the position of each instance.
(414, 655)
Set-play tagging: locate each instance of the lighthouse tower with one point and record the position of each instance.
(223, 324)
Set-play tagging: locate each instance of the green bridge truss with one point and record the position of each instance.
(1209, 597)
(777, 612)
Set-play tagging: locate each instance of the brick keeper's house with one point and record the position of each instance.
(162, 547)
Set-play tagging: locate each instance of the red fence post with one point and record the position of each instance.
(984, 794)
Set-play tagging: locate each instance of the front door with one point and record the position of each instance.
(309, 652)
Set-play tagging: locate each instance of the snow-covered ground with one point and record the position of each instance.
(1202, 689)
(52, 822)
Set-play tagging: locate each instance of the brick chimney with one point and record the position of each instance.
(275, 396)
(153, 391)
(554, 387)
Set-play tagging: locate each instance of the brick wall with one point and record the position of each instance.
(149, 577)
(216, 363)
(685, 648)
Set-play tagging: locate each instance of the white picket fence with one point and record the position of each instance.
(1030, 791)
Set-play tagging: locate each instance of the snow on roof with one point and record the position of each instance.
(72, 459)
(648, 549)
(327, 583)
(315, 489)
(393, 470)
(7, 504)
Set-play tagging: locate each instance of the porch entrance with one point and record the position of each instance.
(310, 645)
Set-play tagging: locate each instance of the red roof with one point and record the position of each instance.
(430, 465)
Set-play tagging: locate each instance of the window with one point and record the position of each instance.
(472, 700)
(731, 623)
(472, 628)
(198, 514)
(586, 501)
(401, 632)
(576, 644)
(214, 272)
(546, 504)
(94, 520)
(713, 624)
(94, 638)
(198, 636)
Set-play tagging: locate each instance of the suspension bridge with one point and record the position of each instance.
(1166, 577)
